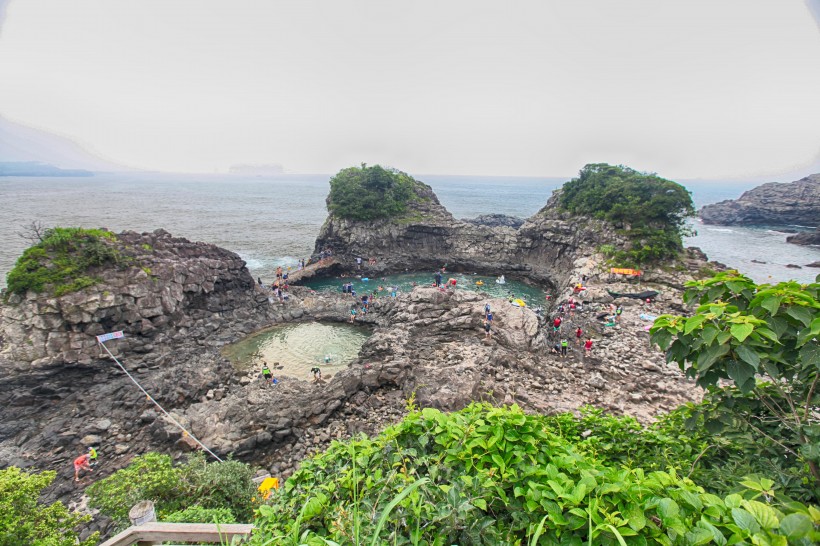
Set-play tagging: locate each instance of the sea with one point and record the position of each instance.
(271, 221)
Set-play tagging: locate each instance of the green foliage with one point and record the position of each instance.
(174, 489)
(651, 210)
(60, 262)
(498, 476)
(367, 193)
(763, 340)
(24, 520)
(197, 514)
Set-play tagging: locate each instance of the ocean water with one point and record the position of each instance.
(275, 220)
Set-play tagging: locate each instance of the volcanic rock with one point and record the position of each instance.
(772, 204)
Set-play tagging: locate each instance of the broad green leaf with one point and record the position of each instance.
(765, 515)
(810, 355)
(748, 355)
(740, 372)
(709, 333)
(693, 323)
(771, 304)
(800, 313)
(699, 536)
(796, 526)
(480, 504)
(710, 355)
(741, 331)
(668, 508)
(717, 536)
(745, 520)
(635, 517)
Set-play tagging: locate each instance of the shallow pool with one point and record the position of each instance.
(464, 281)
(292, 350)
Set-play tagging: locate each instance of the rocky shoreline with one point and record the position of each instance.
(180, 302)
(773, 204)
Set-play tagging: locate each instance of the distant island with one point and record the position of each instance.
(37, 168)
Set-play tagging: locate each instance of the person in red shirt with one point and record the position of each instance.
(83, 462)
(578, 334)
(587, 346)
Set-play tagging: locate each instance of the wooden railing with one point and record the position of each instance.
(152, 533)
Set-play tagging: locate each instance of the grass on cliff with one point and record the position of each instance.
(368, 193)
(59, 263)
(648, 210)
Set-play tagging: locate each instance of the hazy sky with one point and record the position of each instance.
(685, 88)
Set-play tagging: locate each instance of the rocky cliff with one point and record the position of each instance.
(167, 288)
(772, 204)
(544, 249)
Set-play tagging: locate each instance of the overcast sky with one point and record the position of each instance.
(688, 89)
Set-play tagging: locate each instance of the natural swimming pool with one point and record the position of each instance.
(292, 350)
(532, 295)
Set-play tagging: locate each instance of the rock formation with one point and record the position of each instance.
(544, 249)
(168, 288)
(496, 220)
(805, 238)
(772, 204)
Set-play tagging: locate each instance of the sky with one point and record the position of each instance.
(687, 89)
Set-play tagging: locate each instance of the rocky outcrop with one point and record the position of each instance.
(496, 220)
(772, 204)
(165, 289)
(544, 249)
(805, 238)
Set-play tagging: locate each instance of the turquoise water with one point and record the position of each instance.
(532, 295)
(292, 350)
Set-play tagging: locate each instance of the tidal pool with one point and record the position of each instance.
(292, 350)
(532, 295)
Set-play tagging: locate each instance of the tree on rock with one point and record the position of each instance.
(367, 193)
(650, 210)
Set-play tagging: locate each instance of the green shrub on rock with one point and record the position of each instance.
(367, 193)
(177, 491)
(24, 520)
(649, 210)
(59, 263)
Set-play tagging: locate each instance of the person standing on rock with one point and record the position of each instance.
(564, 345)
(488, 329)
(438, 279)
(83, 462)
(352, 315)
(587, 346)
(266, 372)
(618, 311)
(578, 333)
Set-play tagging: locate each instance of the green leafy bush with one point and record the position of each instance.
(24, 520)
(176, 488)
(762, 339)
(197, 514)
(367, 193)
(650, 210)
(498, 476)
(60, 262)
